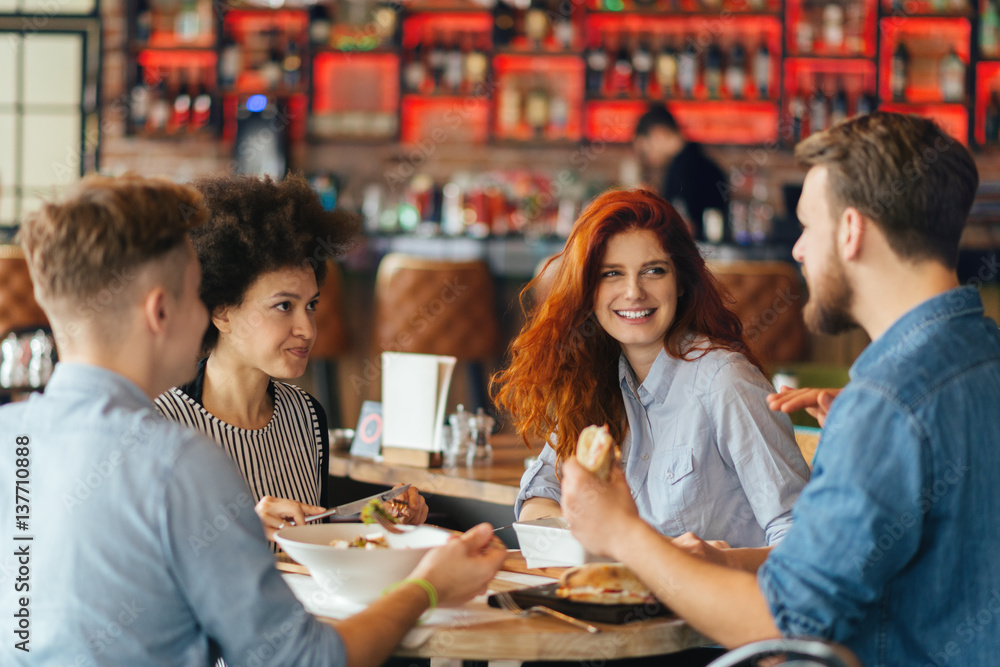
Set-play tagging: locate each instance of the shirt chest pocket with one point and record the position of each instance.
(674, 489)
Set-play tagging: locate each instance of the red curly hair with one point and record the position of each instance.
(563, 370)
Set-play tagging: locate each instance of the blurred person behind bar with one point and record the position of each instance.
(692, 182)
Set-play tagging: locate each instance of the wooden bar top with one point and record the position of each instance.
(497, 482)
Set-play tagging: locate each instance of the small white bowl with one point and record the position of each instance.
(358, 575)
(548, 543)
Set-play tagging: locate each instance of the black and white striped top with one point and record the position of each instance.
(286, 459)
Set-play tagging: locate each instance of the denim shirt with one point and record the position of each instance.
(895, 545)
(146, 549)
(703, 452)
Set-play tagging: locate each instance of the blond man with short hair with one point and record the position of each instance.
(135, 537)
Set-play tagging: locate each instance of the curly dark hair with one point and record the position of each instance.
(257, 225)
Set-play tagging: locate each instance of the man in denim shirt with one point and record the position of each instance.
(893, 548)
(136, 542)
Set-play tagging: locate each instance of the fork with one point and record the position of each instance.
(389, 526)
(507, 603)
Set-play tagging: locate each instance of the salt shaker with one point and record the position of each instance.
(481, 426)
(459, 422)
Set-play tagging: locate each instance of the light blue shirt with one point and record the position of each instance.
(146, 549)
(894, 549)
(703, 452)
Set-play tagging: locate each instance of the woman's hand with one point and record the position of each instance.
(278, 513)
(816, 402)
(710, 550)
(415, 512)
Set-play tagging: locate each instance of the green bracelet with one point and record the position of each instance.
(428, 587)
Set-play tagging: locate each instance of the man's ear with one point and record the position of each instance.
(851, 233)
(155, 310)
(220, 318)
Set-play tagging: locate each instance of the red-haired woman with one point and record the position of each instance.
(635, 334)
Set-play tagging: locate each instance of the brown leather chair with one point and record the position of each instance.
(768, 300)
(18, 308)
(434, 306)
(333, 339)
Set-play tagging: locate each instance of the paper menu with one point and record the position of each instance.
(414, 396)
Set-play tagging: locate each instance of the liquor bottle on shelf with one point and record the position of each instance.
(558, 115)
(201, 107)
(736, 71)
(687, 68)
(454, 67)
(666, 69)
(867, 102)
(291, 65)
(504, 26)
(509, 107)
(713, 70)
(951, 77)
(230, 60)
(143, 21)
(536, 109)
(562, 24)
(415, 70)
(436, 60)
(271, 69)
(804, 35)
(536, 25)
(181, 114)
(854, 28)
(762, 71)
(989, 29)
(187, 22)
(139, 100)
(991, 122)
(797, 110)
(642, 64)
(620, 82)
(597, 65)
(833, 27)
(819, 117)
(838, 107)
(319, 24)
(900, 72)
(159, 109)
(477, 64)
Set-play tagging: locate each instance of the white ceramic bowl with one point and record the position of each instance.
(548, 543)
(359, 575)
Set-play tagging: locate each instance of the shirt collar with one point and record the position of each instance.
(96, 381)
(957, 302)
(657, 383)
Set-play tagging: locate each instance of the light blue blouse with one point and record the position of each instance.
(703, 452)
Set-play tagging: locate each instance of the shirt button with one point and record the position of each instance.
(645, 457)
(670, 475)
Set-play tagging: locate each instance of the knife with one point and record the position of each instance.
(355, 507)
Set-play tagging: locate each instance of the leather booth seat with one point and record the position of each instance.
(18, 308)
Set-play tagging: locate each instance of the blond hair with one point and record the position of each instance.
(85, 251)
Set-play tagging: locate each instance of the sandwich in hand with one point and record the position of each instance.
(603, 583)
(595, 451)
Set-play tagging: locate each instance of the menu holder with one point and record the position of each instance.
(414, 394)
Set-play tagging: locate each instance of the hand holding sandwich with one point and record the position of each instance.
(600, 513)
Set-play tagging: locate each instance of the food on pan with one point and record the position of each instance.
(374, 541)
(603, 583)
(595, 450)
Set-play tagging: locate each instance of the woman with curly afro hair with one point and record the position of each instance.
(635, 333)
(263, 254)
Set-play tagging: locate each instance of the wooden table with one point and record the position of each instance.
(544, 638)
(497, 482)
